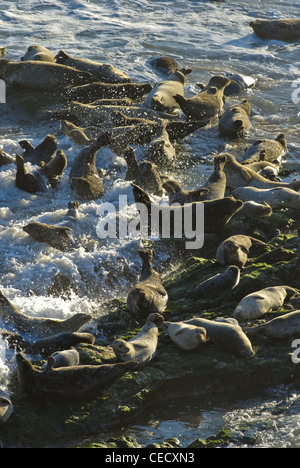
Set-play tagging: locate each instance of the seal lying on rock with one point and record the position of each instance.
(235, 122)
(144, 174)
(265, 169)
(284, 326)
(6, 407)
(41, 76)
(240, 176)
(287, 29)
(65, 358)
(148, 296)
(206, 104)
(38, 325)
(266, 150)
(60, 342)
(235, 250)
(101, 71)
(259, 303)
(277, 197)
(217, 286)
(186, 337)
(38, 53)
(68, 383)
(42, 152)
(252, 209)
(225, 334)
(143, 346)
(177, 194)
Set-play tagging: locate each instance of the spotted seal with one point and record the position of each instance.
(143, 346)
(148, 296)
(286, 29)
(55, 168)
(39, 53)
(218, 285)
(208, 103)
(284, 326)
(226, 335)
(252, 209)
(235, 250)
(12, 316)
(68, 383)
(266, 150)
(235, 122)
(6, 407)
(259, 303)
(187, 337)
(101, 71)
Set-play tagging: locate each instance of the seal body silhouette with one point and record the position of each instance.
(266, 150)
(187, 337)
(284, 326)
(161, 97)
(235, 250)
(276, 197)
(38, 53)
(235, 122)
(217, 286)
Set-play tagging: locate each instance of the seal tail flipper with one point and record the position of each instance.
(295, 185)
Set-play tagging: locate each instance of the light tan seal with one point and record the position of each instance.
(235, 250)
(208, 103)
(40, 326)
(101, 71)
(187, 337)
(148, 296)
(284, 326)
(218, 285)
(266, 150)
(143, 347)
(277, 197)
(240, 176)
(6, 407)
(226, 335)
(235, 122)
(68, 383)
(38, 53)
(286, 29)
(259, 303)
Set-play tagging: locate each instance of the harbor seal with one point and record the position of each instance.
(143, 346)
(39, 53)
(265, 168)
(217, 286)
(144, 174)
(239, 82)
(164, 64)
(84, 177)
(68, 383)
(160, 150)
(208, 103)
(55, 168)
(284, 326)
(187, 337)
(226, 335)
(31, 182)
(259, 303)
(235, 122)
(177, 194)
(6, 158)
(235, 250)
(251, 210)
(101, 71)
(287, 29)
(240, 176)
(277, 197)
(266, 150)
(148, 296)
(58, 237)
(161, 97)
(40, 326)
(44, 151)
(41, 76)
(59, 342)
(65, 358)
(6, 407)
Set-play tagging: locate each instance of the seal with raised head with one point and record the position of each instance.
(208, 103)
(41, 76)
(239, 82)
(42, 326)
(177, 194)
(187, 337)
(84, 177)
(143, 346)
(42, 152)
(225, 334)
(6, 407)
(161, 98)
(144, 174)
(164, 64)
(55, 168)
(284, 326)
(60, 342)
(38, 53)
(235, 122)
(259, 303)
(235, 250)
(217, 286)
(31, 182)
(160, 150)
(101, 71)
(239, 175)
(65, 358)
(68, 383)
(266, 150)
(148, 296)
(286, 29)
(277, 197)
(252, 209)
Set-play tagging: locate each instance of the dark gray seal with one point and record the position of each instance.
(6, 407)
(217, 286)
(31, 182)
(42, 152)
(59, 342)
(235, 250)
(65, 358)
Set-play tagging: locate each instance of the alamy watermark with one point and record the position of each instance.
(296, 92)
(2, 92)
(157, 220)
(296, 353)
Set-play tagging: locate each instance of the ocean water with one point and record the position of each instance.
(210, 37)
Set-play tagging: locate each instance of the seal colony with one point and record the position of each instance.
(100, 107)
